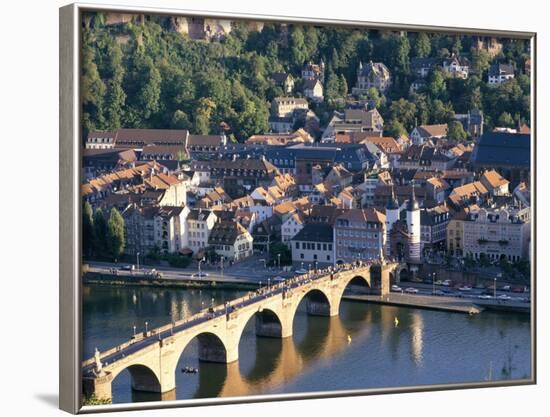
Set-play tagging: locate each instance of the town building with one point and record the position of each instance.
(199, 225)
(154, 229)
(198, 145)
(354, 121)
(372, 75)
(424, 133)
(97, 161)
(312, 71)
(284, 80)
(285, 106)
(500, 73)
(292, 226)
(472, 122)
(433, 228)
(359, 234)
(497, 233)
(425, 157)
(231, 240)
(508, 153)
(495, 183)
(313, 246)
(313, 89)
(457, 66)
(422, 67)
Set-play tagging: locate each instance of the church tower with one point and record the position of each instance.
(392, 215)
(413, 227)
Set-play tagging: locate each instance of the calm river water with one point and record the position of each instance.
(361, 348)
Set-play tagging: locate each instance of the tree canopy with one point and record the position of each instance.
(147, 75)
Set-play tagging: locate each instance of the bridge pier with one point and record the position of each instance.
(321, 308)
(212, 349)
(98, 386)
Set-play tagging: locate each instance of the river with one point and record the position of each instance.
(361, 348)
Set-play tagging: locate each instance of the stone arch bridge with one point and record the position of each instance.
(152, 357)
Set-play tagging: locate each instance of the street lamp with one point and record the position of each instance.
(433, 283)
(137, 260)
(221, 264)
(134, 330)
(279, 260)
(146, 324)
(495, 289)
(268, 284)
(200, 260)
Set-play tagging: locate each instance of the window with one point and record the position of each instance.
(301, 256)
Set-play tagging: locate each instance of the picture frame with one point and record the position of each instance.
(71, 309)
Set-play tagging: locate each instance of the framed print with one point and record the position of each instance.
(256, 208)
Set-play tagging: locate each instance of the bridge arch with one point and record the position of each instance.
(360, 281)
(142, 378)
(318, 303)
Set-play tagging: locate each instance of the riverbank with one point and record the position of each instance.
(449, 304)
(143, 280)
(419, 301)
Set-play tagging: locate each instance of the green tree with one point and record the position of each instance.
(480, 61)
(298, 48)
(100, 233)
(403, 111)
(505, 120)
(395, 129)
(87, 229)
(343, 87)
(374, 95)
(92, 87)
(281, 249)
(180, 120)
(203, 114)
(442, 112)
(437, 87)
(456, 131)
(422, 46)
(115, 234)
(115, 97)
(332, 90)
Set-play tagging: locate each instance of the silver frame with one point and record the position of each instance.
(70, 322)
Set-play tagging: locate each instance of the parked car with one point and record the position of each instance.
(519, 289)
(447, 283)
(128, 267)
(411, 290)
(504, 297)
(200, 275)
(396, 288)
(484, 297)
(506, 288)
(301, 271)
(465, 288)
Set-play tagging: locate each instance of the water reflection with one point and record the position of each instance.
(361, 348)
(416, 332)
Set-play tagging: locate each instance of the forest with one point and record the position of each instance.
(143, 74)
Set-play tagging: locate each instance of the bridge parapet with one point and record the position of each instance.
(219, 329)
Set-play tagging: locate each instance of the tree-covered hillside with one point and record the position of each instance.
(144, 74)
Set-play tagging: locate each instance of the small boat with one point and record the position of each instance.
(349, 339)
(396, 321)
